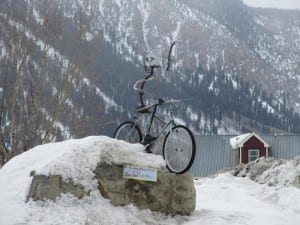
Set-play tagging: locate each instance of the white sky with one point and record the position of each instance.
(284, 4)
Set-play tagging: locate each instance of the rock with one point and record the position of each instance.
(50, 187)
(111, 183)
(171, 193)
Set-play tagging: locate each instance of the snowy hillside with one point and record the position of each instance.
(67, 67)
(222, 199)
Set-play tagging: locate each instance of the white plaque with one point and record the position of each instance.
(138, 173)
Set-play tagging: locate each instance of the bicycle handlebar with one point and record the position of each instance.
(160, 101)
(171, 101)
(169, 56)
(136, 84)
(149, 77)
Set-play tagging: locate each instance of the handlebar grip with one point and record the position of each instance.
(161, 101)
(169, 56)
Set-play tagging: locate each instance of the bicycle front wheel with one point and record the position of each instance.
(128, 131)
(179, 149)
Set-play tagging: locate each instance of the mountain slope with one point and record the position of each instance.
(212, 38)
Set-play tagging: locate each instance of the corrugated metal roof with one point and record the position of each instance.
(214, 152)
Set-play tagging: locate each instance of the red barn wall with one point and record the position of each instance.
(252, 143)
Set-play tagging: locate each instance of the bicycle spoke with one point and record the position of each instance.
(128, 131)
(179, 149)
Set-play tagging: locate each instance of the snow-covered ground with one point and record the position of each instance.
(223, 199)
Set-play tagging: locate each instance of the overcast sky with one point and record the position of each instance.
(285, 4)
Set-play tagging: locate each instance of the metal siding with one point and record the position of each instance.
(213, 154)
(284, 146)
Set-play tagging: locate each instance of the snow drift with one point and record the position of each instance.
(270, 171)
(222, 199)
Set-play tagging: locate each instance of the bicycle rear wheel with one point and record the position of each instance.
(179, 149)
(128, 131)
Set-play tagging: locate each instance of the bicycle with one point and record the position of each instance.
(179, 146)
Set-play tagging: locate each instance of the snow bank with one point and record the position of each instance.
(76, 159)
(273, 172)
(224, 199)
(283, 173)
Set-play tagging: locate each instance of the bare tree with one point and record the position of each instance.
(36, 80)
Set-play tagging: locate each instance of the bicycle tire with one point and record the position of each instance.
(179, 149)
(129, 132)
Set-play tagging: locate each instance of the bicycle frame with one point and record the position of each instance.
(178, 139)
(169, 124)
(144, 108)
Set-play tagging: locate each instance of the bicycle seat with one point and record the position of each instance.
(142, 109)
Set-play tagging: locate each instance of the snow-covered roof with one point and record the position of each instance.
(238, 141)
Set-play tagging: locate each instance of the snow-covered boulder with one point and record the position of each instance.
(81, 167)
(51, 187)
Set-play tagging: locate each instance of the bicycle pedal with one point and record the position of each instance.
(147, 149)
(148, 139)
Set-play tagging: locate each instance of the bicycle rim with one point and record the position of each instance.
(129, 132)
(179, 149)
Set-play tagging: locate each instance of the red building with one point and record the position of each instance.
(250, 147)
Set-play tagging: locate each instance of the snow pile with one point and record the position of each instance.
(76, 159)
(283, 173)
(223, 199)
(111, 155)
(273, 172)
